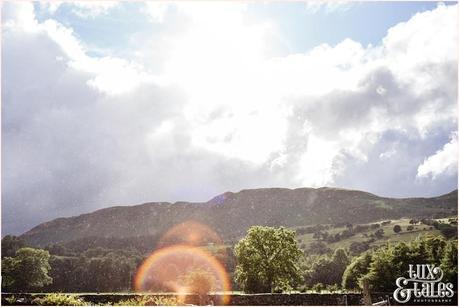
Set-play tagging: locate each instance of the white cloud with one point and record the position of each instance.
(19, 16)
(221, 63)
(91, 9)
(222, 111)
(329, 6)
(387, 154)
(157, 10)
(82, 9)
(416, 91)
(50, 6)
(444, 161)
(111, 75)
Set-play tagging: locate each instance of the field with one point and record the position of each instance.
(389, 235)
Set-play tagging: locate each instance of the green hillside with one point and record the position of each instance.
(408, 233)
(231, 214)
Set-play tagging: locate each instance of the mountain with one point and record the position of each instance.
(231, 214)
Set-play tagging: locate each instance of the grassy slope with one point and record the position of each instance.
(389, 234)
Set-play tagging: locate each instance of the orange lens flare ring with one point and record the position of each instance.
(163, 271)
(190, 233)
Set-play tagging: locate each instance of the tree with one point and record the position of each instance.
(199, 281)
(356, 248)
(28, 270)
(327, 270)
(389, 262)
(10, 244)
(358, 267)
(381, 272)
(449, 261)
(318, 247)
(379, 233)
(268, 259)
(397, 228)
(447, 230)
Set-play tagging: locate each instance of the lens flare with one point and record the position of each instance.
(190, 233)
(195, 234)
(169, 270)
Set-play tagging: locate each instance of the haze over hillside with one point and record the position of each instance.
(230, 214)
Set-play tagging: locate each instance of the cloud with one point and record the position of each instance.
(329, 6)
(157, 10)
(444, 161)
(82, 9)
(20, 16)
(91, 9)
(393, 87)
(209, 106)
(71, 147)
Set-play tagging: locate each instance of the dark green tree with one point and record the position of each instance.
(379, 233)
(268, 260)
(381, 274)
(318, 247)
(10, 244)
(27, 271)
(449, 262)
(327, 270)
(392, 261)
(356, 248)
(358, 267)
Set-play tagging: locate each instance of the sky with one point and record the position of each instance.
(121, 103)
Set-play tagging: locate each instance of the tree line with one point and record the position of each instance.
(267, 259)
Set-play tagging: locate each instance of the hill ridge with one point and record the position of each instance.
(231, 213)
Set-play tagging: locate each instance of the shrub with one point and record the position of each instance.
(142, 300)
(11, 299)
(333, 288)
(303, 289)
(318, 287)
(165, 301)
(134, 301)
(282, 287)
(59, 299)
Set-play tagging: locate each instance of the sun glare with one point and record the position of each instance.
(182, 264)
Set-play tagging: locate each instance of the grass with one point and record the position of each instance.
(389, 234)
